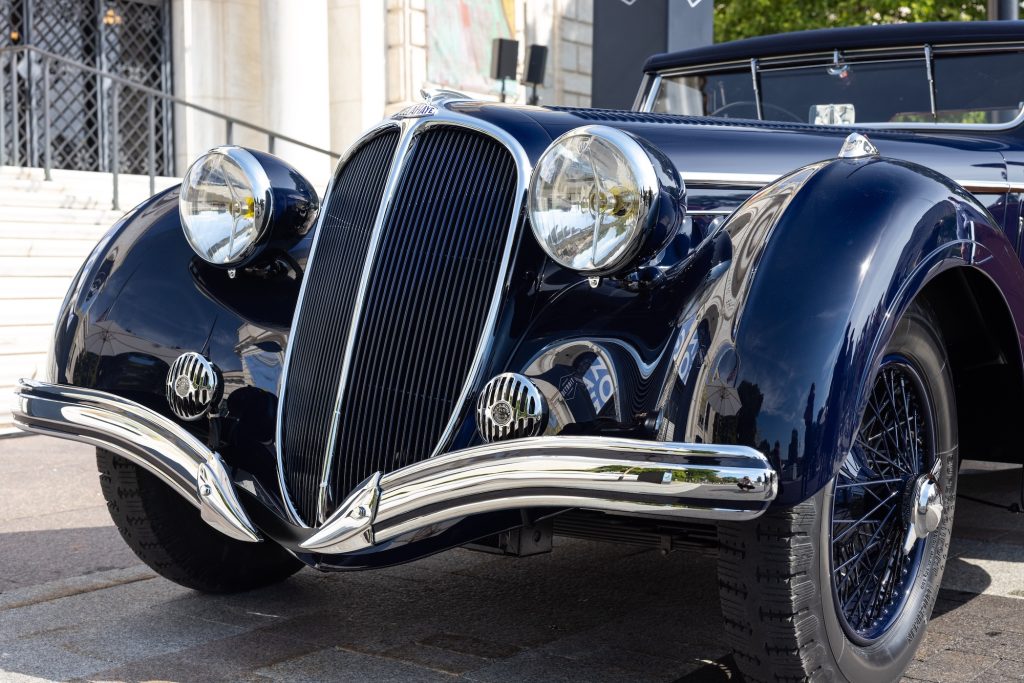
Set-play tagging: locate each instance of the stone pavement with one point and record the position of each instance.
(76, 604)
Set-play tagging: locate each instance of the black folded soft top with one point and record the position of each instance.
(887, 35)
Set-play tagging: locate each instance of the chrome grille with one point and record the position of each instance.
(430, 288)
(317, 345)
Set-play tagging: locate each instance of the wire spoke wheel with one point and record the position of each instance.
(871, 570)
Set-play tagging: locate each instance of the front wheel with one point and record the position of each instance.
(841, 586)
(166, 532)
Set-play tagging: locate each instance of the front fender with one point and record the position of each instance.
(812, 304)
(143, 298)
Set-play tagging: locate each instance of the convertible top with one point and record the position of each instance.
(820, 40)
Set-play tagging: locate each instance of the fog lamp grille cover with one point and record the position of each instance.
(510, 407)
(193, 385)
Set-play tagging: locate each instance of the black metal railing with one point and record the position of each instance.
(27, 118)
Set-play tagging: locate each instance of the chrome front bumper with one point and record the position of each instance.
(143, 436)
(628, 476)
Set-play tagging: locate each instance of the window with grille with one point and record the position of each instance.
(127, 38)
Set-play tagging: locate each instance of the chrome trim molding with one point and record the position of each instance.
(142, 436)
(651, 96)
(702, 481)
(756, 85)
(752, 181)
(755, 181)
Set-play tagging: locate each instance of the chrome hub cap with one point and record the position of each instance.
(886, 498)
(924, 508)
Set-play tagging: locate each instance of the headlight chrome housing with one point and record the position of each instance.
(600, 198)
(226, 204)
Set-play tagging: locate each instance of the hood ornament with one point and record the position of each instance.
(857, 146)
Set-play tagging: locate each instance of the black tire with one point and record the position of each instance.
(168, 534)
(775, 573)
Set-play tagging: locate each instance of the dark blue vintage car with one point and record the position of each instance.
(767, 311)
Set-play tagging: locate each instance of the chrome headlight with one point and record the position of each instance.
(225, 204)
(594, 198)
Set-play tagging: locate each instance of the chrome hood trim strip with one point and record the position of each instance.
(142, 436)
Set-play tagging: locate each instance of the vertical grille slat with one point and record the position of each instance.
(425, 305)
(432, 285)
(321, 330)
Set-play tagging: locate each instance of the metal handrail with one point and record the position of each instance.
(117, 82)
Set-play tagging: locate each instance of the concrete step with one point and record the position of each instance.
(96, 183)
(6, 403)
(47, 229)
(54, 247)
(14, 288)
(43, 266)
(26, 365)
(18, 312)
(71, 198)
(52, 231)
(35, 214)
(83, 182)
(25, 339)
(50, 200)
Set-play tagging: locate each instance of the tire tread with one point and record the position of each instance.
(168, 534)
(766, 575)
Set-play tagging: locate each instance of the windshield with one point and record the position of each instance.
(968, 88)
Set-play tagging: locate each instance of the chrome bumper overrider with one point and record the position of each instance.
(143, 436)
(628, 476)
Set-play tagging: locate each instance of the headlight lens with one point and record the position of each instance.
(225, 205)
(591, 197)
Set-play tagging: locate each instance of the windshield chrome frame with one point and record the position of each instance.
(651, 86)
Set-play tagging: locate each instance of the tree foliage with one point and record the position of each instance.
(736, 19)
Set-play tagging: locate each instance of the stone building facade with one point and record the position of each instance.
(323, 71)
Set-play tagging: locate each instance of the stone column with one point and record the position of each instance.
(216, 55)
(295, 81)
(406, 52)
(357, 48)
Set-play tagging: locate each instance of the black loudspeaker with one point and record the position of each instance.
(503, 58)
(536, 59)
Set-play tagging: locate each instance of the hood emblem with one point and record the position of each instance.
(182, 386)
(415, 111)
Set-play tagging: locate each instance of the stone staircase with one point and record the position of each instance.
(47, 228)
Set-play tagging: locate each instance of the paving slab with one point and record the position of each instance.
(76, 605)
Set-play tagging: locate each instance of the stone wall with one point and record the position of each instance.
(323, 71)
(567, 28)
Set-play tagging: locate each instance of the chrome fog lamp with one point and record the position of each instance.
(226, 203)
(599, 198)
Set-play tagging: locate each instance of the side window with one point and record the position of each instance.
(986, 88)
(728, 95)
